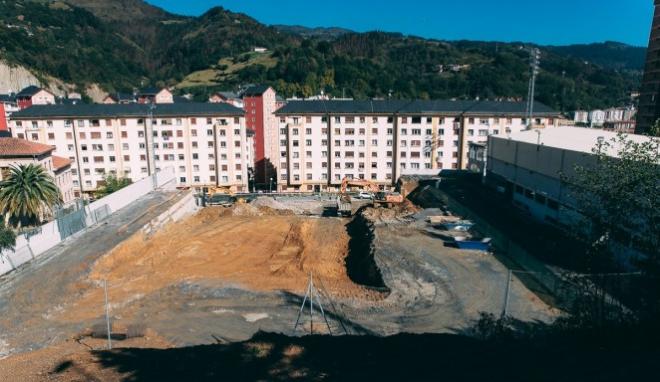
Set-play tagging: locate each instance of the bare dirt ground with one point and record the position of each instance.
(226, 273)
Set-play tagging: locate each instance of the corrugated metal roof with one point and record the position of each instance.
(183, 109)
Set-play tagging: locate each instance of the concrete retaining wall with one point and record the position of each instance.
(48, 235)
(181, 209)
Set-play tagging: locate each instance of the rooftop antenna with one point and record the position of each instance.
(535, 55)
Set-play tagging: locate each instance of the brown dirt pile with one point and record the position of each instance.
(262, 253)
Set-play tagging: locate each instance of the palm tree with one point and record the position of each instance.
(27, 193)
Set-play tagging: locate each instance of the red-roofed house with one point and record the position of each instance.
(15, 151)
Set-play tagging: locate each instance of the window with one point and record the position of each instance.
(416, 120)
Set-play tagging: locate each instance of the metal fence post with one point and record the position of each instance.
(107, 313)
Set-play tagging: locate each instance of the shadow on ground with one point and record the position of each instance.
(404, 357)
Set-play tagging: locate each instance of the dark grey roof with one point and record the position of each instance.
(8, 98)
(228, 94)
(150, 91)
(342, 107)
(184, 109)
(29, 91)
(122, 96)
(180, 99)
(255, 90)
(413, 107)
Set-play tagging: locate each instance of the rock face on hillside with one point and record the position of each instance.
(15, 78)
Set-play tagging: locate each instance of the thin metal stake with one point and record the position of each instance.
(311, 304)
(506, 295)
(323, 314)
(302, 306)
(107, 313)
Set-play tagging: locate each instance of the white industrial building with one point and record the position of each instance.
(528, 166)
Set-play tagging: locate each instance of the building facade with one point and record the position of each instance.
(649, 98)
(206, 144)
(260, 104)
(321, 142)
(15, 152)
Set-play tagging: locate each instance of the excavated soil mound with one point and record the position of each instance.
(258, 249)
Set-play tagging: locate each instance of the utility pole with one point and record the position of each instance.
(535, 56)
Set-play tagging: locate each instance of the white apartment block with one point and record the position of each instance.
(322, 142)
(206, 144)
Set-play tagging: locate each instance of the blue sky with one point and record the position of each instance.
(553, 22)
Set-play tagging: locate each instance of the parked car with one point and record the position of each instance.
(364, 195)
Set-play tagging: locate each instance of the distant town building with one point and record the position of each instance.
(231, 98)
(649, 98)
(74, 95)
(33, 95)
(119, 98)
(322, 142)
(155, 95)
(477, 157)
(260, 102)
(620, 119)
(14, 152)
(581, 117)
(596, 117)
(205, 143)
(259, 49)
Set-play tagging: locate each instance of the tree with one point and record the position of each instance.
(7, 237)
(112, 184)
(27, 194)
(619, 197)
(654, 130)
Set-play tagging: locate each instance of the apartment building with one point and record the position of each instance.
(14, 152)
(321, 142)
(649, 98)
(260, 102)
(205, 143)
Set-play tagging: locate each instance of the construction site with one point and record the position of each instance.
(294, 265)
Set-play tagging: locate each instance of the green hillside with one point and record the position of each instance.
(85, 41)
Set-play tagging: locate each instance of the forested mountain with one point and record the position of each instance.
(122, 44)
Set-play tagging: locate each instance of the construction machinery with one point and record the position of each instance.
(344, 206)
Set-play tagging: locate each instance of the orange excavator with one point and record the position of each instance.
(379, 196)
